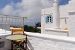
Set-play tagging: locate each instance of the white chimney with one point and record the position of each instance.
(56, 14)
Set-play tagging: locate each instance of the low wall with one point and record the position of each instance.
(37, 41)
(5, 26)
(51, 42)
(57, 32)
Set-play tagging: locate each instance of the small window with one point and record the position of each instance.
(49, 19)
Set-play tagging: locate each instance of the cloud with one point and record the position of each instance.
(28, 8)
(32, 8)
(8, 9)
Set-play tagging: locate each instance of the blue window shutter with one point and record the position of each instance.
(47, 19)
(51, 19)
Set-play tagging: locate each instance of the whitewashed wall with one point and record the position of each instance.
(44, 13)
(64, 23)
(55, 32)
(42, 21)
(63, 13)
(72, 24)
(50, 42)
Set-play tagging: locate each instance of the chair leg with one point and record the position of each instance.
(11, 45)
(26, 42)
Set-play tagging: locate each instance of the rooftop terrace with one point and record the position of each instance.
(37, 41)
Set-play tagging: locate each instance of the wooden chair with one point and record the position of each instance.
(19, 31)
(16, 31)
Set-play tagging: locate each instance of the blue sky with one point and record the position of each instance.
(22, 8)
(62, 2)
(3, 3)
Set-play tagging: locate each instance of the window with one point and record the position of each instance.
(49, 19)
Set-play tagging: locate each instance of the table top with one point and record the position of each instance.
(15, 37)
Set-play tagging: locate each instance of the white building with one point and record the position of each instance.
(55, 20)
(61, 17)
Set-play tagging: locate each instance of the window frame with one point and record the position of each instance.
(49, 19)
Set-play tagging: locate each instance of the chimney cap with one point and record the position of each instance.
(55, 1)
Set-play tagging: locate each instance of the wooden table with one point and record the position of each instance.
(16, 37)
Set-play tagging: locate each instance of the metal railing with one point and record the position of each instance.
(11, 21)
(7, 21)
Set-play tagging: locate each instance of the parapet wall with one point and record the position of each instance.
(59, 32)
(5, 26)
(50, 42)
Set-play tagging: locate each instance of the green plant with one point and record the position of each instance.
(31, 29)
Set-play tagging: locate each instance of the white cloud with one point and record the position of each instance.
(32, 8)
(28, 8)
(8, 9)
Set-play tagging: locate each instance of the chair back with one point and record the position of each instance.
(17, 31)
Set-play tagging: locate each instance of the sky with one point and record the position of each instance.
(27, 8)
